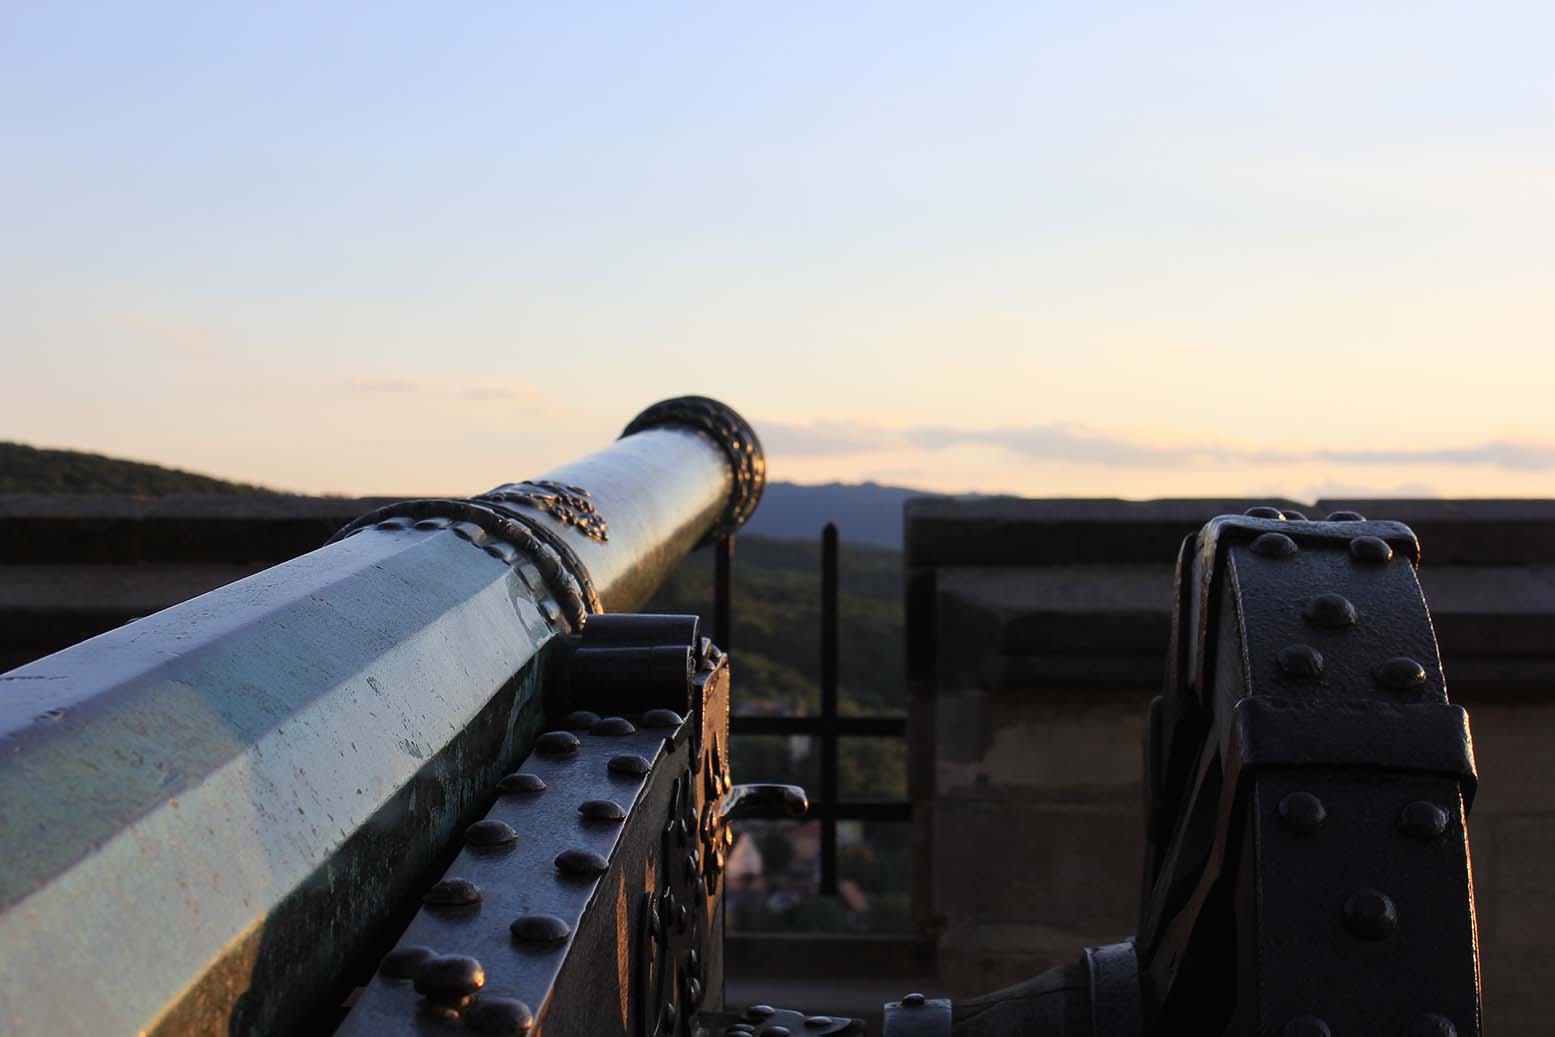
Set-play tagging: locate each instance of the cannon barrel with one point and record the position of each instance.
(209, 814)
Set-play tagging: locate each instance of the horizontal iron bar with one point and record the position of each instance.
(846, 727)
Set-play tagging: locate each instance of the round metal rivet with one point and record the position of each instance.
(452, 893)
(1431, 1024)
(913, 1000)
(774, 1030)
(1329, 610)
(499, 1015)
(739, 1030)
(661, 718)
(1273, 545)
(1292, 515)
(1345, 516)
(1302, 812)
(581, 862)
(521, 784)
(539, 929)
(580, 720)
(1301, 661)
(1371, 915)
(606, 810)
(450, 975)
(669, 1015)
(1371, 549)
(1264, 512)
(1307, 1026)
(1423, 820)
(631, 764)
(760, 1012)
(1401, 673)
(490, 832)
(404, 962)
(613, 727)
(557, 743)
(817, 1021)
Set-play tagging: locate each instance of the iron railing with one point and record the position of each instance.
(826, 804)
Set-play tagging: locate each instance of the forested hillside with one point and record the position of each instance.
(25, 469)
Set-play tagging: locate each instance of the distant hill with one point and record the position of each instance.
(25, 469)
(865, 513)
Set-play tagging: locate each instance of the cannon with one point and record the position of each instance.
(436, 777)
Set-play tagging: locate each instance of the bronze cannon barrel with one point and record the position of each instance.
(210, 814)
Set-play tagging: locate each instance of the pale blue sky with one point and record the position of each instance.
(1077, 249)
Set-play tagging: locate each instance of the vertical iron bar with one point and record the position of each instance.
(829, 795)
(723, 589)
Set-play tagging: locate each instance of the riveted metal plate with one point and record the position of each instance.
(1309, 782)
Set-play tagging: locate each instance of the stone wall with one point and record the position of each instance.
(1037, 632)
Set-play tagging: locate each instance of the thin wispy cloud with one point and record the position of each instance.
(1077, 445)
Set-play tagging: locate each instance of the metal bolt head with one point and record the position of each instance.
(1306, 1026)
(1301, 661)
(557, 743)
(450, 975)
(1371, 915)
(914, 1000)
(499, 1015)
(630, 765)
(669, 1015)
(818, 1022)
(1302, 812)
(580, 720)
(1423, 820)
(539, 929)
(490, 832)
(760, 1012)
(404, 962)
(1371, 549)
(1273, 545)
(661, 718)
(1401, 673)
(1264, 512)
(739, 1030)
(1431, 1024)
(603, 811)
(1345, 516)
(613, 727)
(581, 863)
(1292, 515)
(1329, 610)
(452, 892)
(775, 1030)
(521, 784)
